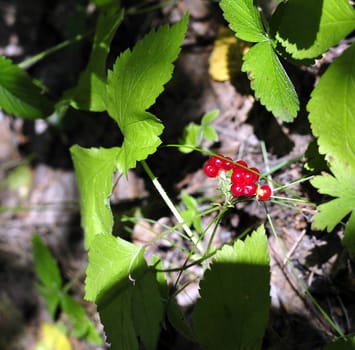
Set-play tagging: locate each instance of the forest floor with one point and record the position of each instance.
(44, 198)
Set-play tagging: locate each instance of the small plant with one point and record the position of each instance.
(56, 295)
(132, 294)
(243, 180)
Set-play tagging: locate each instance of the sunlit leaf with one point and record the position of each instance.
(340, 185)
(94, 168)
(270, 81)
(232, 312)
(134, 83)
(332, 106)
(306, 29)
(244, 19)
(126, 292)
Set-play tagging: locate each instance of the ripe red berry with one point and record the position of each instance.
(237, 190)
(217, 161)
(251, 175)
(210, 170)
(263, 192)
(249, 190)
(240, 164)
(238, 176)
(227, 163)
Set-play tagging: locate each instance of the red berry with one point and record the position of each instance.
(236, 190)
(249, 190)
(210, 170)
(251, 175)
(217, 161)
(264, 192)
(238, 176)
(227, 163)
(240, 164)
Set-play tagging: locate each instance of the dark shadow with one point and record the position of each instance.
(267, 129)
(298, 22)
(290, 331)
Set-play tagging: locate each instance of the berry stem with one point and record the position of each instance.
(171, 206)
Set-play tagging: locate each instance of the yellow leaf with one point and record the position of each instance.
(226, 57)
(52, 338)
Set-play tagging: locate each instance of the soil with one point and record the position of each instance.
(47, 201)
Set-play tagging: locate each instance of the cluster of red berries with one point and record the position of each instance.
(244, 180)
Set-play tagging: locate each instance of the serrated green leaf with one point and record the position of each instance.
(232, 312)
(244, 19)
(88, 94)
(270, 81)
(332, 106)
(94, 168)
(308, 36)
(133, 85)
(112, 264)
(18, 95)
(126, 292)
(341, 186)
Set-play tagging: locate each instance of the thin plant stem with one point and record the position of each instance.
(34, 59)
(171, 206)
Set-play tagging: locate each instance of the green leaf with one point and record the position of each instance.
(88, 94)
(332, 106)
(270, 81)
(209, 117)
(133, 85)
(94, 168)
(48, 272)
(126, 292)
(82, 327)
(191, 136)
(45, 265)
(342, 186)
(244, 19)
(347, 343)
(210, 133)
(308, 36)
(234, 306)
(18, 95)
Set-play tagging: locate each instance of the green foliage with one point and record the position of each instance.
(133, 85)
(48, 273)
(126, 292)
(331, 109)
(341, 186)
(52, 290)
(89, 94)
(194, 134)
(244, 19)
(234, 306)
(306, 28)
(332, 121)
(268, 78)
(191, 214)
(94, 168)
(270, 81)
(19, 95)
